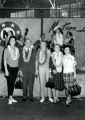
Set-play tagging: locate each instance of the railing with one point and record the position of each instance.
(68, 10)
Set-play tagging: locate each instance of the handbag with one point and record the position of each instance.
(50, 83)
(19, 83)
(75, 89)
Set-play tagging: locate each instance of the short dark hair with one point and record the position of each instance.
(11, 38)
(70, 33)
(42, 34)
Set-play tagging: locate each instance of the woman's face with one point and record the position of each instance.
(57, 48)
(67, 50)
(28, 43)
(67, 35)
(57, 31)
(12, 42)
(54, 39)
(9, 33)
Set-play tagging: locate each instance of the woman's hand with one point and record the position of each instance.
(36, 72)
(54, 71)
(50, 76)
(6, 73)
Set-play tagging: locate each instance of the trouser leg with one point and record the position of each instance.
(31, 84)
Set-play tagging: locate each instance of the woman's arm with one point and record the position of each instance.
(5, 62)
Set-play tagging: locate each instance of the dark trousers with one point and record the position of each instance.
(28, 82)
(11, 79)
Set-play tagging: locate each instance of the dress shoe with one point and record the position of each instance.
(31, 99)
(24, 99)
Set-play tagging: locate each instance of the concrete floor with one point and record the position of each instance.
(38, 111)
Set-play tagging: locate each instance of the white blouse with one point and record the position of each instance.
(58, 60)
(69, 63)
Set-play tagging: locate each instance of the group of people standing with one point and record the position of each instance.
(56, 61)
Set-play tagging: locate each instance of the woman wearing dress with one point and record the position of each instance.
(57, 74)
(11, 58)
(43, 68)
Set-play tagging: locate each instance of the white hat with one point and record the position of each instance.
(56, 27)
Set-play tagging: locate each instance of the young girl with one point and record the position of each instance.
(57, 74)
(69, 63)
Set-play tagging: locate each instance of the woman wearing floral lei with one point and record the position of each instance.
(11, 59)
(43, 68)
(29, 69)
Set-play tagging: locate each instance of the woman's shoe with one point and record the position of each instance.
(10, 101)
(42, 100)
(50, 99)
(54, 101)
(14, 101)
(57, 100)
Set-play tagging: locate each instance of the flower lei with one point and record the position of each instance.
(42, 57)
(14, 53)
(29, 54)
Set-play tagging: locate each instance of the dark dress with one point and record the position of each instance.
(57, 78)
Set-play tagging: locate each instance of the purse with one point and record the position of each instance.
(50, 83)
(75, 89)
(19, 83)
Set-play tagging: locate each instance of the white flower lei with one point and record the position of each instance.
(29, 54)
(42, 56)
(14, 52)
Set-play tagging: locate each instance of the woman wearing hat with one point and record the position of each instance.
(59, 35)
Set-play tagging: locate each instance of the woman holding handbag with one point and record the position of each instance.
(69, 72)
(57, 73)
(11, 59)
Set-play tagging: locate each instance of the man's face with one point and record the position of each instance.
(43, 37)
(28, 43)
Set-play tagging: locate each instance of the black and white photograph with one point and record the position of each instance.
(42, 59)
